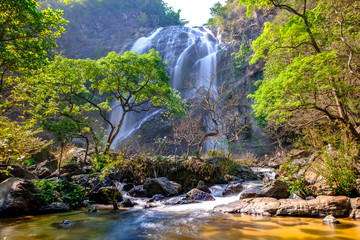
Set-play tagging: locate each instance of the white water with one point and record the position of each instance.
(191, 54)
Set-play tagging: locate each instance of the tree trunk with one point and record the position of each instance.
(203, 139)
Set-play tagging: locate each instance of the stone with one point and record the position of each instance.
(15, 171)
(276, 189)
(127, 203)
(198, 195)
(260, 206)
(245, 173)
(293, 207)
(71, 169)
(156, 197)
(250, 193)
(178, 187)
(55, 207)
(17, 197)
(203, 187)
(161, 185)
(66, 223)
(44, 169)
(106, 195)
(234, 207)
(128, 186)
(232, 189)
(92, 209)
(138, 191)
(330, 219)
(82, 179)
(355, 208)
(180, 201)
(321, 206)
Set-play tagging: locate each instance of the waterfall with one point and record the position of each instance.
(191, 54)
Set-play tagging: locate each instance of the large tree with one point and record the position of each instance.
(312, 71)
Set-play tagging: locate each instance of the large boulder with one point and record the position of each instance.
(17, 197)
(245, 173)
(44, 169)
(232, 189)
(138, 191)
(198, 195)
(355, 208)
(293, 207)
(260, 206)
(251, 192)
(161, 185)
(338, 206)
(276, 189)
(106, 195)
(203, 187)
(9, 171)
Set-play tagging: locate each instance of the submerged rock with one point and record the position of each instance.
(161, 185)
(232, 189)
(18, 197)
(330, 219)
(276, 189)
(198, 195)
(66, 223)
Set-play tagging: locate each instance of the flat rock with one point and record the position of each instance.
(293, 207)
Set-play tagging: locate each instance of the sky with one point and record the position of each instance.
(195, 11)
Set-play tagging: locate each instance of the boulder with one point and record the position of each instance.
(293, 207)
(17, 197)
(203, 187)
(260, 206)
(355, 208)
(128, 186)
(245, 173)
(106, 195)
(232, 189)
(15, 171)
(338, 206)
(82, 179)
(69, 169)
(276, 189)
(55, 207)
(44, 169)
(234, 207)
(178, 187)
(138, 191)
(127, 203)
(198, 195)
(251, 192)
(161, 185)
(330, 219)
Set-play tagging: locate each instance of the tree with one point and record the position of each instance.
(312, 71)
(26, 37)
(74, 88)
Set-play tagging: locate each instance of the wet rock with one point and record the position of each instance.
(260, 206)
(156, 197)
(17, 197)
(338, 206)
(198, 195)
(138, 191)
(245, 173)
(15, 171)
(66, 223)
(293, 207)
(330, 219)
(355, 208)
(44, 169)
(128, 186)
(232, 189)
(161, 185)
(55, 207)
(180, 201)
(251, 192)
(106, 195)
(203, 187)
(127, 203)
(234, 207)
(276, 189)
(93, 209)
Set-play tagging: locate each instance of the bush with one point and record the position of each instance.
(60, 191)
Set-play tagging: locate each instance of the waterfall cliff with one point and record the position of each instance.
(191, 54)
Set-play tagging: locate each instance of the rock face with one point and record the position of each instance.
(251, 193)
(15, 171)
(44, 169)
(198, 195)
(233, 188)
(106, 195)
(276, 189)
(203, 187)
(17, 197)
(161, 185)
(138, 191)
(322, 206)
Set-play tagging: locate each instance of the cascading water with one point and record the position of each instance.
(191, 54)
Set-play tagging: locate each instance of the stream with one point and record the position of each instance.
(188, 221)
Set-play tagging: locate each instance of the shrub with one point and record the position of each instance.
(60, 191)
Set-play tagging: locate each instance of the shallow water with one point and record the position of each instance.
(179, 222)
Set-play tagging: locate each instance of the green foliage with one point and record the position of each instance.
(242, 56)
(60, 191)
(142, 19)
(18, 142)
